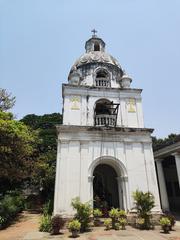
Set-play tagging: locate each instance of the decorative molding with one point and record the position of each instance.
(90, 178)
(75, 102)
(131, 104)
(124, 178)
(73, 90)
(64, 141)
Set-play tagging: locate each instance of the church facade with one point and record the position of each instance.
(104, 150)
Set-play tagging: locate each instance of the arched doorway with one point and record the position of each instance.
(105, 187)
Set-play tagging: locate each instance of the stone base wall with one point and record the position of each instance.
(133, 216)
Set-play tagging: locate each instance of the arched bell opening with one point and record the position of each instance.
(102, 78)
(105, 113)
(96, 46)
(105, 188)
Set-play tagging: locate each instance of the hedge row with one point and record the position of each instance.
(10, 205)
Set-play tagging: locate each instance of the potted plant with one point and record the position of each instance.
(104, 208)
(97, 214)
(57, 223)
(83, 213)
(114, 214)
(116, 226)
(171, 218)
(123, 223)
(107, 223)
(74, 227)
(140, 222)
(165, 224)
(122, 214)
(144, 202)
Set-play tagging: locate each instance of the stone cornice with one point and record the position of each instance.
(70, 128)
(84, 133)
(96, 91)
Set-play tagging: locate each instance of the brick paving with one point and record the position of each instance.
(26, 228)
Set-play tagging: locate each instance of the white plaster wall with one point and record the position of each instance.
(75, 158)
(151, 173)
(87, 100)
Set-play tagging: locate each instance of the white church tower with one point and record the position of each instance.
(104, 150)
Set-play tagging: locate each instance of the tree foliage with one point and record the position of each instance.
(43, 175)
(17, 144)
(28, 148)
(46, 124)
(159, 143)
(7, 101)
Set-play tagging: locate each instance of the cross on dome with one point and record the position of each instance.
(94, 31)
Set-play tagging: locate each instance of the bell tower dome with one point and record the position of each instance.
(102, 138)
(96, 67)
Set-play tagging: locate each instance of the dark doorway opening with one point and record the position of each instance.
(172, 184)
(105, 188)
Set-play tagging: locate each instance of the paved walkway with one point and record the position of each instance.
(26, 228)
(25, 223)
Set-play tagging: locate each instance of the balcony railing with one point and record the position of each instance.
(105, 120)
(102, 82)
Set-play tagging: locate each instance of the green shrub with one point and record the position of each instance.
(83, 213)
(74, 225)
(2, 222)
(10, 205)
(97, 213)
(107, 223)
(123, 223)
(45, 223)
(122, 213)
(48, 208)
(144, 202)
(171, 218)
(114, 214)
(164, 221)
(165, 224)
(116, 226)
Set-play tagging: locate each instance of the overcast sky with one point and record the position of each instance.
(41, 39)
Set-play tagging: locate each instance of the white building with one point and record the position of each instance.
(168, 171)
(104, 151)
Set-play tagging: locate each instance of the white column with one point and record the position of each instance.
(90, 180)
(177, 160)
(162, 186)
(124, 192)
(120, 192)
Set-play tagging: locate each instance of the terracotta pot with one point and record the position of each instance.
(123, 227)
(166, 229)
(55, 230)
(75, 233)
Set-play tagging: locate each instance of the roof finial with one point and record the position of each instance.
(94, 32)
